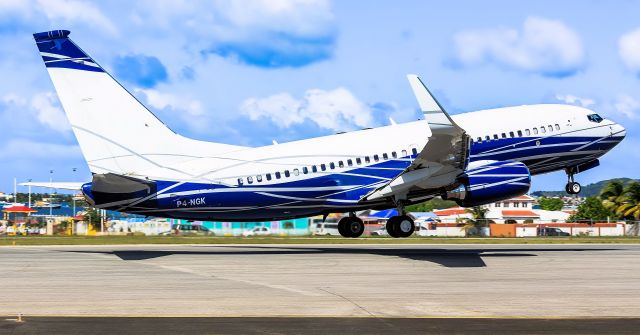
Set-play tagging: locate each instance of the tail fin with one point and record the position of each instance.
(115, 131)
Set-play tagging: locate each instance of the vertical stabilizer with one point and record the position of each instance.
(115, 131)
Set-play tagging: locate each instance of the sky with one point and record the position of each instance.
(250, 72)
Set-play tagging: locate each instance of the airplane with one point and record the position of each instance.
(140, 166)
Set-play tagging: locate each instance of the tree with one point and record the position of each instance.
(92, 216)
(612, 195)
(591, 209)
(478, 220)
(630, 202)
(550, 204)
(429, 206)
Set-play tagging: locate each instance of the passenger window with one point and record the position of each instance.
(511, 134)
(504, 135)
(305, 170)
(519, 133)
(314, 169)
(557, 126)
(479, 139)
(366, 159)
(543, 130)
(415, 151)
(358, 161)
(394, 154)
(340, 164)
(277, 175)
(332, 166)
(376, 158)
(550, 127)
(296, 172)
(250, 180)
(287, 174)
(240, 182)
(268, 175)
(535, 131)
(527, 132)
(349, 162)
(259, 178)
(487, 138)
(495, 136)
(385, 156)
(323, 167)
(404, 153)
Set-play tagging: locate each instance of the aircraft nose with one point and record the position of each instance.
(617, 130)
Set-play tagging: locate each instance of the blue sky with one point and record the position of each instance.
(249, 72)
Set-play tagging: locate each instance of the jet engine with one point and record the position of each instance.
(485, 182)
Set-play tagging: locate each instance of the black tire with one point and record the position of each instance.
(391, 226)
(355, 227)
(405, 226)
(567, 188)
(342, 226)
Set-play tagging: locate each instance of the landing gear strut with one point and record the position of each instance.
(351, 226)
(401, 225)
(572, 186)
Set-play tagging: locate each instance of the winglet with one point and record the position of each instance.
(434, 113)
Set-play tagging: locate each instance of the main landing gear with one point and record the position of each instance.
(572, 187)
(400, 225)
(351, 226)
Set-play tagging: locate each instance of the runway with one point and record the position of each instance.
(372, 282)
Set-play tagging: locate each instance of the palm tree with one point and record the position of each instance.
(474, 225)
(612, 195)
(630, 206)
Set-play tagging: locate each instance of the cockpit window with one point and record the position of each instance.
(595, 118)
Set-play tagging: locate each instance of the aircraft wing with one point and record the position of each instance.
(73, 186)
(442, 159)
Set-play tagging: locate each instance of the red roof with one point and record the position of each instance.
(519, 213)
(449, 211)
(18, 209)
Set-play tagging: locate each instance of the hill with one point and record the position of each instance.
(590, 190)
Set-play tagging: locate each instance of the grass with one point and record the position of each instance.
(128, 240)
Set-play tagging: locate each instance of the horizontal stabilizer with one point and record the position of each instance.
(73, 186)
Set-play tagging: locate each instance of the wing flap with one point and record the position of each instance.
(443, 158)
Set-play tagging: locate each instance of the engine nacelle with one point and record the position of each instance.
(491, 181)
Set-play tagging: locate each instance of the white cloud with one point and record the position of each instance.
(43, 107)
(543, 46)
(189, 111)
(629, 50)
(627, 106)
(575, 100)
(46, 109)
(24, 148)
(76, 11)
(337, 109)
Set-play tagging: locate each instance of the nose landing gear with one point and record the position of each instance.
(572, 187)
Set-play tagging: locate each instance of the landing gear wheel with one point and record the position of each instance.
(351, 226)
(400, 226)
(573, 188)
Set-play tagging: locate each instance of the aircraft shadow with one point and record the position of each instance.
(452, 258)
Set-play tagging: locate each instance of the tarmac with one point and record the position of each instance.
(582, 287)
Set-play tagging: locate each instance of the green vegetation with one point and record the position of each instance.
(591, 190)
(550, 204)
(429, 206)
(478, 220)
(129, 240)
(617, 201)
(592, 209)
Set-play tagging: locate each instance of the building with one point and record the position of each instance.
(519, 209)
